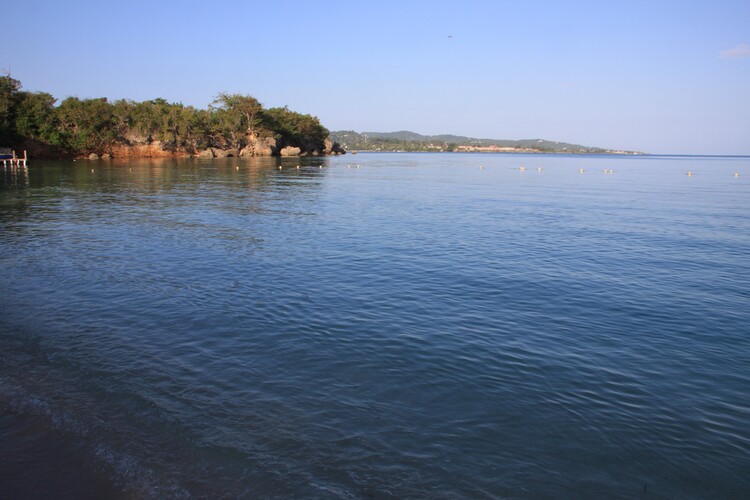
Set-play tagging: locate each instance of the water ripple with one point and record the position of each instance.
(416, 327)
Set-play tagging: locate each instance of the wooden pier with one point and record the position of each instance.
(10, 159)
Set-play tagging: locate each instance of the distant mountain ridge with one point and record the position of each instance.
(405, 140)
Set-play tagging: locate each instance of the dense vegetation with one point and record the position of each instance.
(82, 126)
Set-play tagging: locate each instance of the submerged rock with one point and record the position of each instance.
(290, 151)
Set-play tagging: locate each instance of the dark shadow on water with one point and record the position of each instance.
(37, 462)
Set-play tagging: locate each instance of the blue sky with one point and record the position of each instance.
(657, 76)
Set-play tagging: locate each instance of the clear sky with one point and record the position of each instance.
(655, 76)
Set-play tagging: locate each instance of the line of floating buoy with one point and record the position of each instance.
(522, 168)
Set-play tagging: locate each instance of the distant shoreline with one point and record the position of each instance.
(408, 141)
(610, 153)
(650, 155)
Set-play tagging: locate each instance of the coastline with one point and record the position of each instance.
(510, 152)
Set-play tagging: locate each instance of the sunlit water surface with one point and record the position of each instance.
(379, 325)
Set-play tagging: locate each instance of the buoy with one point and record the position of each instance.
(736, 174)
(279, 167)
(580, 170)
(522, 168)
(480, 167)
(236, 168)
(297, 167)
(539, 169)
(690, 173)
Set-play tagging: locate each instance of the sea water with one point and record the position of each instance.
(378, 325)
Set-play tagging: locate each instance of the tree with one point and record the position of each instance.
(87, 125)
(235, 116)
(9, 87)
(295, 129)
(35, 117)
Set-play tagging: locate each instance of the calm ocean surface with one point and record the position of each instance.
(416, 327)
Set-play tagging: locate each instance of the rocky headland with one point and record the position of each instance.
(233, 125)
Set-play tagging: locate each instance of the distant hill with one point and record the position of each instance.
(405, 140)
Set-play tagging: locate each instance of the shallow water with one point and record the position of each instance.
(379, 325)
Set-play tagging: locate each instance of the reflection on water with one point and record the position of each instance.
(380, 325)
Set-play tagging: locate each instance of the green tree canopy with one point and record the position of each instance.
(84, 126)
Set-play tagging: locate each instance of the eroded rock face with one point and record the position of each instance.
(151, 150)
(134, 138)
(225, 153)
(259, 146)
(290, 151)
(332, 148)
(256, 146)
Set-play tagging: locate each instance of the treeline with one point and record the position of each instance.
(411, 141)
(83, 126)
(360, 143)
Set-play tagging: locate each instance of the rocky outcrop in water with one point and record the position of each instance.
(256, 146)
(259, 146)
(153, 149)
(290, 151)
(331, 147)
